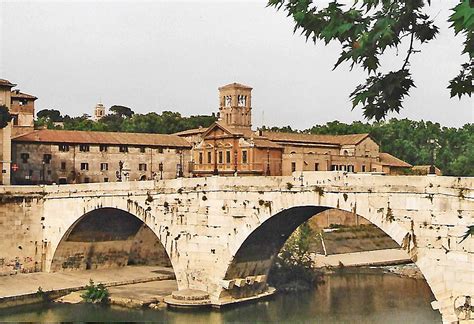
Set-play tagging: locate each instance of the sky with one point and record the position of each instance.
(173, 55)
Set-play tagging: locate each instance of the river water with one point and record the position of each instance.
(343, 298)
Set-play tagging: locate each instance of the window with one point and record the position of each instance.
(87, 180)
(103, 148)
(104, 166)
(316, 167)
(63, 165)
(221, 157)
(24, 157)
(160, 150)
(84, 148)
(85, 166)
(293, 166)
(363, 168)
(15, 120)
(106, 179)
(63, 148)
(244, 157)
(200, 158)
(123, 148)
(142, 149)
(142, 167)
(209, 157)
(227, 156)
(46, 158)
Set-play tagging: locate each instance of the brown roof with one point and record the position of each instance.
(265, 143)
(112, 138)
(18, 94)
(390, 160)
(235, 85)
(193, 131)
(352, 139)
(6, 83)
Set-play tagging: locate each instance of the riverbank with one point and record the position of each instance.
(29, 288)
(365, 258)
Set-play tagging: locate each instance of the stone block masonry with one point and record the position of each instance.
(221, 234)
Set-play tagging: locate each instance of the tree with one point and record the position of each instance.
(122, 111)
(367, 29)
(50, 114)
(5, 116)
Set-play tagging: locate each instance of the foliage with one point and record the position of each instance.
(409, 141)
(469, 232)
(125, 120)
(97, 294)
(293, 267)
(369, 28)
(50, 114)
(122, 111)
(5, 116)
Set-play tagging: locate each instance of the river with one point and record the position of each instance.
(343, 298)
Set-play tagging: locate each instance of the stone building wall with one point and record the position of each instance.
(65, 166)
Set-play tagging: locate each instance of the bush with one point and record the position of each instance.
(293, 267)
(96, 294)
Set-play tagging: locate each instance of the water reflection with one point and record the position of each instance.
(343, 298)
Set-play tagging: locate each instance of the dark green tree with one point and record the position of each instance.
(369, 28)
(51, 114)
(122, 111)
(5, 116)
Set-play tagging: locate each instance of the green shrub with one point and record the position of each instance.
(96, 294)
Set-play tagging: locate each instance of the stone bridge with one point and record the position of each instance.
(221, 234)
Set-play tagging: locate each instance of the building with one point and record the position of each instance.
(23, 112)
(231, 147)
(60, 156)
(228, 147)
(99, 112)
(5, 134)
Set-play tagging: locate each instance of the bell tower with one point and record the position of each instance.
(235, 105)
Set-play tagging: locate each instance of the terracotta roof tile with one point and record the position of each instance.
(193, 131)
(390, 160)
(6, 83)
(265, 143)
(111, 138)
(19, 94)
(352, 139)
(235, 85)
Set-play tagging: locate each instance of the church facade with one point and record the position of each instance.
(231, 147)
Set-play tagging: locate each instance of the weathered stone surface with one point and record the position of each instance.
(221, 230)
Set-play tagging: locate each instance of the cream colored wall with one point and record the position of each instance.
(367, 147)
(74, 157)
(5, 137)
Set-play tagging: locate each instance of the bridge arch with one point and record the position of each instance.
(253, 258)
(108, 237)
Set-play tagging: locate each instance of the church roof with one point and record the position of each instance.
(192, 131)
(110, 138)
(390, 160)
(235, 85)
(351, 139)
(18, 94)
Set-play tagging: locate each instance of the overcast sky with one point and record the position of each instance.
(169, 55)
